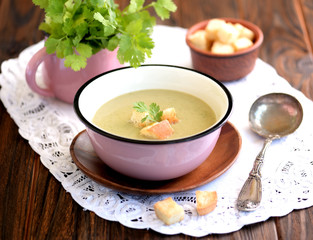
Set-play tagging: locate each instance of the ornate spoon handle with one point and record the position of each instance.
(251, 193)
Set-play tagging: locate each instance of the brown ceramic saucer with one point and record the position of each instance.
(223, 156)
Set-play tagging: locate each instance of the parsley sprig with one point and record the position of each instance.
(154, 113)
(78, 29)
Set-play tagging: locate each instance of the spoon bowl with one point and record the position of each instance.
(275, 115)
(272, 116)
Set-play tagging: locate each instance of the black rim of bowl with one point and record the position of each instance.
(217, 125)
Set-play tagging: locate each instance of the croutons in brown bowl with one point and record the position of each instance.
(224, 48)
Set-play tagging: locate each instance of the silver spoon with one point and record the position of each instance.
(271, 116)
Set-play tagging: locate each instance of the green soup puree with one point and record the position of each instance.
(194, 114)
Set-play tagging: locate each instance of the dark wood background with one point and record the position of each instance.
(34, 205)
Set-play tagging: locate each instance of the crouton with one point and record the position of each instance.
(159, 130)
(244, 32)
(169, 211)
(227, 34)
(242, 43)
(199, 40)
(136, 118)
(222, 48)
(170, 115)
(206, 202)
(213, 27)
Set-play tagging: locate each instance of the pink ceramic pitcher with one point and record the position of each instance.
(62, 82)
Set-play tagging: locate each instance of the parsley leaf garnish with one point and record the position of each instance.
(154, 113)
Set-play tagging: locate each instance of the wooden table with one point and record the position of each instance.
(34, 205)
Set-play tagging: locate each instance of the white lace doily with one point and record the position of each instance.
(50, 125)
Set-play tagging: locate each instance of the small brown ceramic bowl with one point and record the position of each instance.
(226, 67)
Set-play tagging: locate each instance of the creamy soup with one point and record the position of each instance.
(194, 114)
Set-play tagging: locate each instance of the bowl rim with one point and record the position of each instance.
(216, 126)
(250, 25)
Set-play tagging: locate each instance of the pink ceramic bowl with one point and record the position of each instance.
(147, 159)
(227, 67)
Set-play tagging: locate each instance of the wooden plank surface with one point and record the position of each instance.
(35, 205)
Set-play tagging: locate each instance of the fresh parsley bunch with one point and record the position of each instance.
(77, 29)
